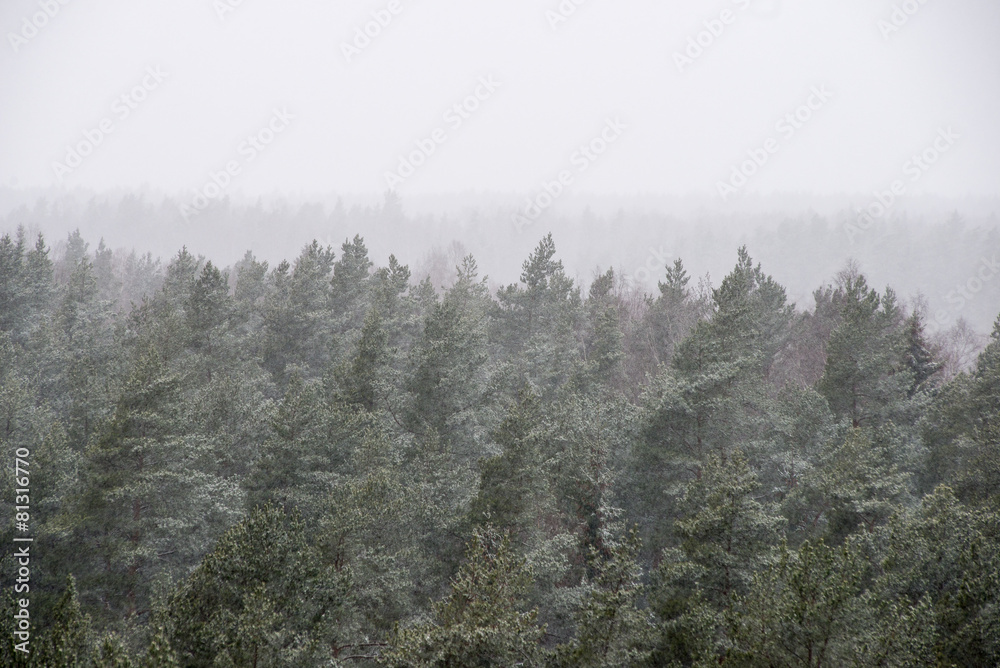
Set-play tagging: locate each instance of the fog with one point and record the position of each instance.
(549, 333)
(662, 124)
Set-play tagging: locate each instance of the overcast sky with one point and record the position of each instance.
(681, 120)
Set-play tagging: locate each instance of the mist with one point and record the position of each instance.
(543, 333)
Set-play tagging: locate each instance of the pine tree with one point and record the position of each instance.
(259, 598)
(612, 630)
(160, 653)
(83, 345)
(854, 484)
(961, 431)
(110, 652)
(943, 559)
(511, 488)
(481, 622)
(364, 382)
(673, 314)
(309, 446)
(919, 359)
(350, 291)
(604, 346)
(719, 396)
(536, 324)
(797, 612)
(725, 532)
(149, 499)
(207, 309)
(38, 282)
(863, 378)
(25, 285)
(251, 286)
(296, 314)
(182, 272)
(66, 643)
(449, 379)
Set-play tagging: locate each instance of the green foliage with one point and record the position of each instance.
(510, 486)
(726, 536)
(450, 379)
(481, 622)
(946, 557)
(798, 611)
(311, 440)
(604, 343)
(535, 323)
(725, 532)
(160, 653)
(612, 630)
(854, 483)
(259, 598)
(279, 466)
(111, 653)
(863, 377)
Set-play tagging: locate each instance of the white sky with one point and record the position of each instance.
(685, 131)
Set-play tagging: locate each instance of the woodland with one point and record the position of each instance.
(325, 462)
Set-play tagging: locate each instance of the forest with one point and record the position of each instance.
(325, 462)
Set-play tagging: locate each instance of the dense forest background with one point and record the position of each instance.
(328, 462)
(926, 248)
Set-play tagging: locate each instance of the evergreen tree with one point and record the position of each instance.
(365, 383)
(855, 484)
(537, 323)
(945, 557)
(160, 653)
(450, 381)
(863, 377)
(797, 612)
(12, 290)
(511, 489)
(285, 473)
(296, 314)
(149, 500)
(311, 442)
(350, 293)
(725, 532)
(717, 397)
(611, 628)
(259, 598)
(604, 347)
(481, 622)
(919, 359)
(66, 643)
(207, 309)
(961, 431)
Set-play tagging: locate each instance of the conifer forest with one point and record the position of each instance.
(512, 334)
(328, 463)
